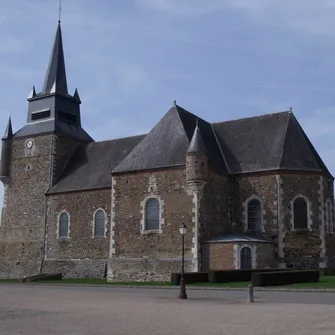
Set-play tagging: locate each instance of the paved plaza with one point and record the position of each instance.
(72, 310)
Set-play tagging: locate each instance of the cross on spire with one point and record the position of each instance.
(59, 10)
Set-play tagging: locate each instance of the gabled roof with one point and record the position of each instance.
(167, 143)
(91, 165)
(267, 142)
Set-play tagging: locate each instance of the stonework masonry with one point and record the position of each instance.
(82, 254)
(261, 186)
(226, 256)
(23, 220)
(155, 255)
(213, 210)
(63, 149)
(302, 247)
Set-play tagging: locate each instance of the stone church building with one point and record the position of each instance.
(253, 192)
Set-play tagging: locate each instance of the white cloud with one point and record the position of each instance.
(183, 7)
(311, 16)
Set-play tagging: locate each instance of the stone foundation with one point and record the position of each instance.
(145, 269)
(76, 268)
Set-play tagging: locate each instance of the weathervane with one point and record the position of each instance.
(59, 10)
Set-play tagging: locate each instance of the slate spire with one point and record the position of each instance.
(55, 79)
(197, 144)
(9, 130)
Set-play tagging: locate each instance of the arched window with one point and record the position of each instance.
(99, 223)
(246, 258)
(152, 214)
(64, 225)
(300, 210)
(254, 215)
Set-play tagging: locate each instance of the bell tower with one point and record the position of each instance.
(32, 160)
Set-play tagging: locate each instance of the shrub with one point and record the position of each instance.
(190, 277)
(226, 276)
(284, 277)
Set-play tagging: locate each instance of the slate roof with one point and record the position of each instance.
(255, 144)
(9, 130)
(72, 130)
(91, 165)
(197, 144)
(55, 78)
(167, 143)
(238, 238)
(267, 142)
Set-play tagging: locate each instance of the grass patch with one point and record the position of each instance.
(97, 281)
(5, 281)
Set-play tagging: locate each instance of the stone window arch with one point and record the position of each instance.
(64, 225)
(253, 213)
(99, 223)
(246, 258)
(152, 214)
(301, 213)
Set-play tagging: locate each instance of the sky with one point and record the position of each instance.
(219, 59)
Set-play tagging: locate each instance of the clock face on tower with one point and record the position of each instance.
(29, 144)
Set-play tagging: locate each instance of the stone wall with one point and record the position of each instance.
(140, 255)
(226, 256)
(329, 234)
(259, 186)
(64, 147)
(302, 248)
(214, 205)
(23, 219)
(221, 256)
(214, 211)
(266, 256)
(82, 254)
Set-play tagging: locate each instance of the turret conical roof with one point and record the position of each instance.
(197, 144)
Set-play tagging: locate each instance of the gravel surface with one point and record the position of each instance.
(54, 310)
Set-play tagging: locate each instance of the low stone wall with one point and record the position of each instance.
(77, 268)
(145, 269)
(17, 270)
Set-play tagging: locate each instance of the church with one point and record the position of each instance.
(253, 193)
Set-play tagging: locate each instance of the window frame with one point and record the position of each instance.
(251, 257)
(258, 216)
(245, 215)
(59, 225)
(157, 215)
(308, 214)
(143, 211)
(94, 235)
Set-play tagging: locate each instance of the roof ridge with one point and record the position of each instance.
(252, 117)
(118, 139)
(220, 148)
(284, 141)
